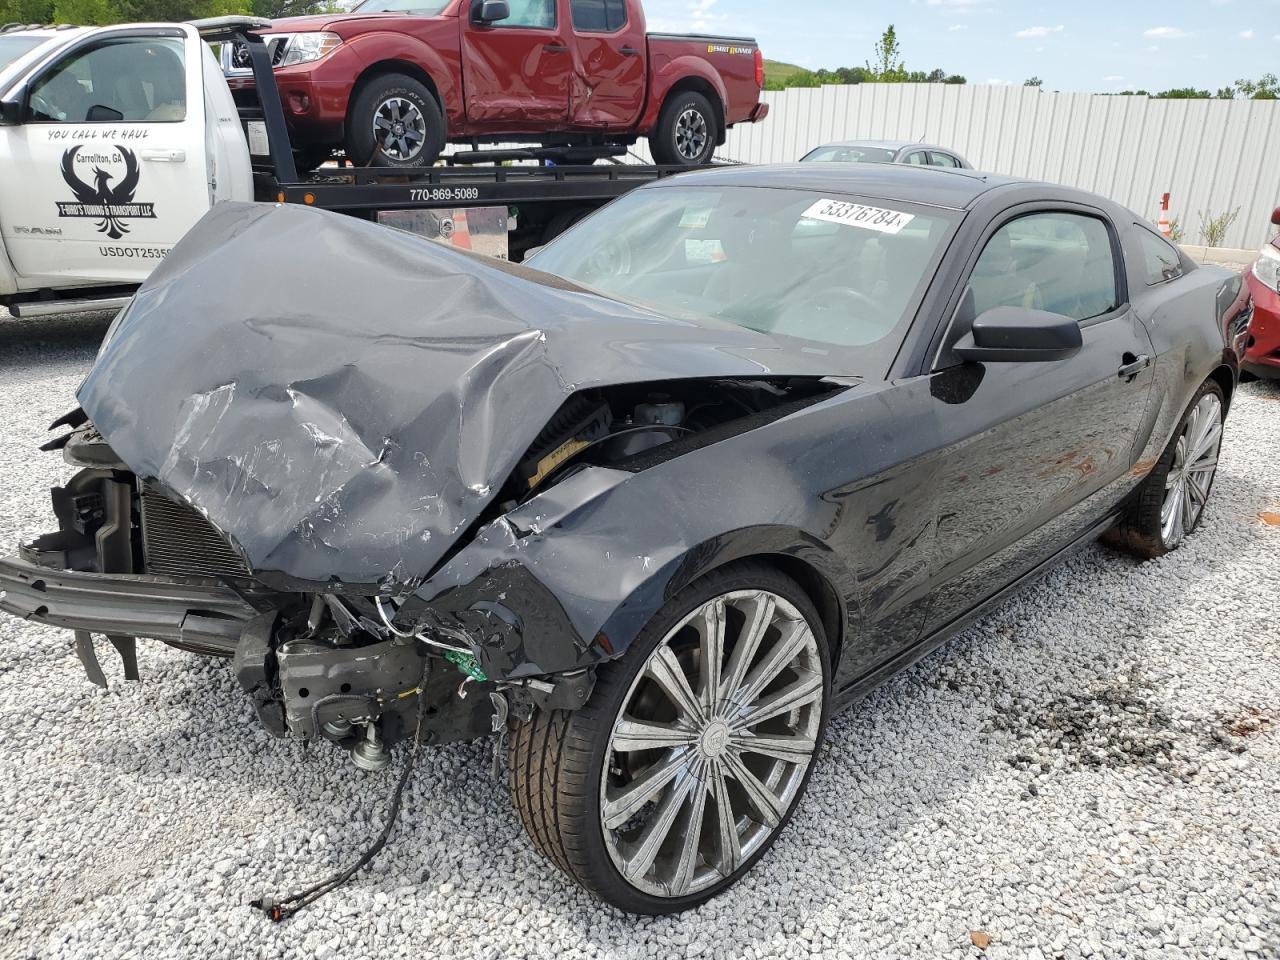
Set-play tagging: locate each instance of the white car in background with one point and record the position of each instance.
(887, 151)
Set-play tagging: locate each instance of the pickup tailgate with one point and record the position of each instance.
(737, 61)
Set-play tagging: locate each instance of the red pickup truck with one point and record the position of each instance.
(395, 80)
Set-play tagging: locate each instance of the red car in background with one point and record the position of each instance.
(395, 80)
(1262, 355)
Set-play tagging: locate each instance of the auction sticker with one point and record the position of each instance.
(859, 215)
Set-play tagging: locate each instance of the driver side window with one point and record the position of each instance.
(1060, 262)
(529, 13)
(129, 79)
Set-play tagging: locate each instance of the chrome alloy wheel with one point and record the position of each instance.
(710, 749)
(399, 129)
(1195, 461)
(691, 134)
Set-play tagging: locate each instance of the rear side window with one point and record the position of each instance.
(529, 13)
(1060, 262)
(599, 16)
(917, 158)
(128, 79)
(1159, 258)
(943, 160)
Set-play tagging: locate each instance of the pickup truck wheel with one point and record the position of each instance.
(688, 131)
(693, 751)
(395, 122)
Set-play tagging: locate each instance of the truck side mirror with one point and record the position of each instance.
(490, 11)
(10, 113)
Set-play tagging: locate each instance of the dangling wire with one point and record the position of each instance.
(281, 910)
(406, 634)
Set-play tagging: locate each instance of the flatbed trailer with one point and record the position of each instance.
(514, 207)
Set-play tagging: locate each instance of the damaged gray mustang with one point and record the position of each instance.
(711, 465)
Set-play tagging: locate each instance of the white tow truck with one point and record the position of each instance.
(115, 140)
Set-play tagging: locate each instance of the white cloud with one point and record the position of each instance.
(1031, 32)
(1248, 34)
(964, 26)
(1114, 78)
(1166, 33)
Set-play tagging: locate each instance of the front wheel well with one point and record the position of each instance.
(820, 591)
(698, 85)
(383, 67)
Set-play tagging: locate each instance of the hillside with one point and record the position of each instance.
(777, 70)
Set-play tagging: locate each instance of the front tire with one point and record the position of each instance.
(693, 751)
(1169, 505)
(688, 131)
(394, 121)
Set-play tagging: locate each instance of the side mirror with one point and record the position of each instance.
(10, 113)
(1013, 335)
(490, 11)
(100, 114)
(1275, 217)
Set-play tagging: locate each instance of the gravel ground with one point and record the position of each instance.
(1093, 770)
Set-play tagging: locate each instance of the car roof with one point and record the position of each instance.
(895, 145)
(931, 186)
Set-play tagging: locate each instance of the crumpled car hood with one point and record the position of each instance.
(343, 400)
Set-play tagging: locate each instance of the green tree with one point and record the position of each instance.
(1265, 88)
(26, 11)
(87, 12)
(887, 66)
(1033, 82)
(1183, 93)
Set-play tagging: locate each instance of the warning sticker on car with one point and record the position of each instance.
(859, 215)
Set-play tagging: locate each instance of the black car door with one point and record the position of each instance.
(1036, 451)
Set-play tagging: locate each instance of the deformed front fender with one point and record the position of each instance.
(570, 578)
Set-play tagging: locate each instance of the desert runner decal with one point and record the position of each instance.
(109, 203)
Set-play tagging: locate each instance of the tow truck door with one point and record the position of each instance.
(105, 168)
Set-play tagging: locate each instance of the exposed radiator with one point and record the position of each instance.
(178, 541)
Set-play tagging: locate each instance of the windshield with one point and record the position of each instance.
(426, 8)
(830, 270)
(11, 48)
(838, 154)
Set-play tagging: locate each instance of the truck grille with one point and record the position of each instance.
(178, 541)
(241, 62)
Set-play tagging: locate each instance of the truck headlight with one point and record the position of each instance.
(306, 47)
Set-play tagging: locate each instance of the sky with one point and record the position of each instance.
(1084, 45)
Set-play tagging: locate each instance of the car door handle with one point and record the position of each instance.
(555, 48)
(165, 156)
(1133, 366)
(629, 51)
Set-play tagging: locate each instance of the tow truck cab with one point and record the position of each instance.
(114, 141)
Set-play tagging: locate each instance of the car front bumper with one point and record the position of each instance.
(205, 618)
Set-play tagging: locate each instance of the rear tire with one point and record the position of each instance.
(394, 121)
(1169, 505)
(574, 774)
(688, 131)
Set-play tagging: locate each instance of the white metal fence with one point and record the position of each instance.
(1212, 155)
